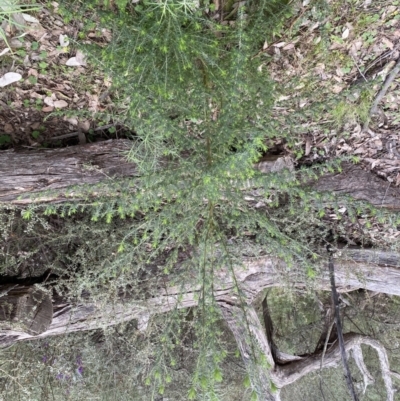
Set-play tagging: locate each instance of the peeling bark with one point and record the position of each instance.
(25, 308)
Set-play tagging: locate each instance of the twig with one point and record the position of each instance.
(378, 59)
(358, 68)
(7, 290)
(323, 356)
(76, 133)
(339, 328)
(384, 196)
(385, 87)
(326, 343)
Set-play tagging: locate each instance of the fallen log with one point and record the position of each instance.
(26, 174)
(366, 269)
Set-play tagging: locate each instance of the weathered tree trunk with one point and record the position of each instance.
(374, 271)
(361, 185)
(370, 270)
(24, 174)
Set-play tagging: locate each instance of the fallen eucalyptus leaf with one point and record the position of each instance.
(64, 41)
(60, 104)
(48, 101)
(72, 62)
(29, 18)
(76, 61)
(7, 49)
(9, 78)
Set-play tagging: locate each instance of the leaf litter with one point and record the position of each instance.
(333, 56)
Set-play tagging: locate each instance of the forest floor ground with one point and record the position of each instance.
(337, 55)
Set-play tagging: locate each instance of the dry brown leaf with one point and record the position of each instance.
(84, 125)
(71, 120)
(37, 31)
(32, 72)
(49, 101)
(4, 51)
(35, 125)
(60, 104)
(337, 88)
(9, 78)
(8, 128)
(360, 150)
(289, 46)
(336, 46)
(93, 102)
(388, 43)
(78, 60)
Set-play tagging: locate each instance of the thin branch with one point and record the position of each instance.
(322, 358)
(76, 133)
(385, 87)
(326, 343)
(395, 374)
(291, 372)
(358, 68)
(335, 299)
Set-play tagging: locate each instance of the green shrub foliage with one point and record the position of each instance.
(197, 97)
(191, 86)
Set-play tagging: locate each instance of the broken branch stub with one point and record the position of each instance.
(25, 309)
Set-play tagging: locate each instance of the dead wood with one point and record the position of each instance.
(24, 174)
(361, 185)
(369, 271)
(25, 308)
(352, 271)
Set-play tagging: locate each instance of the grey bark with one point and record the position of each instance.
(371, 270)
(25, 174)
(361, 185)
(374, 271)
(30, 172)
(25, 308)
(253, 345)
